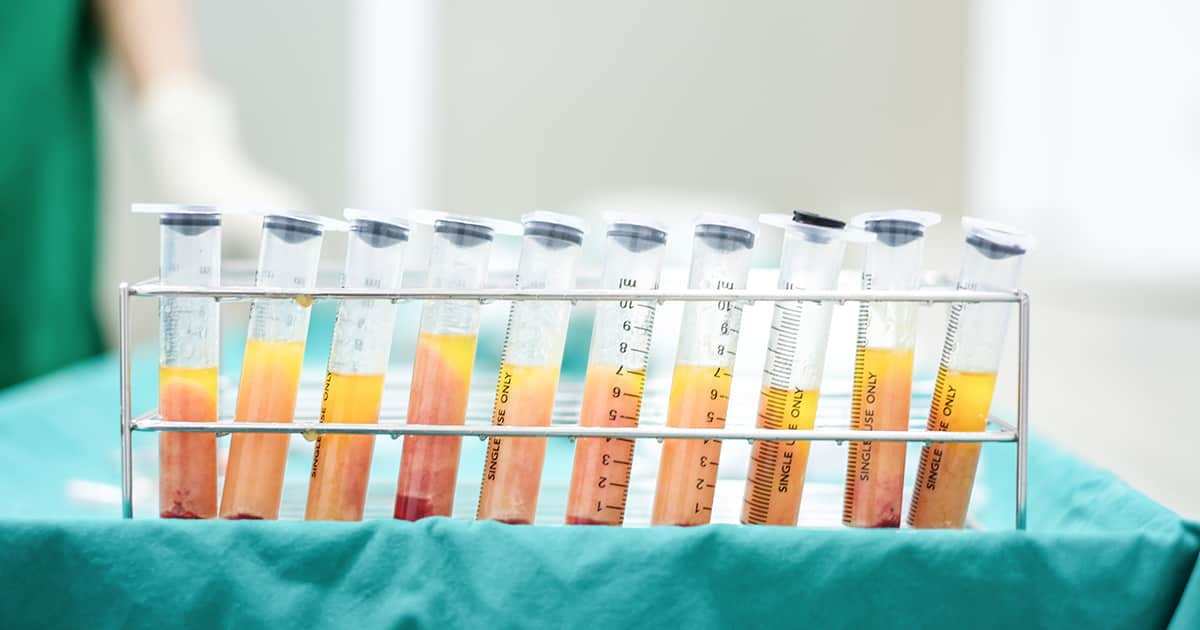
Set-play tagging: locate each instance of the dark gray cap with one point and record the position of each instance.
(292, 229)
(636, 237)
(463, 233)
(724, 237)
(378, 233)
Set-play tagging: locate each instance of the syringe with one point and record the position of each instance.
(533, 351)
(962, 396)
(358, 358)
(445, 358)
(813, 246)
(887, 333)
(687, 474)
(291, 246)
(616, 374)
(189, 353)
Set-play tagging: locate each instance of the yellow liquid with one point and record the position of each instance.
(961, 402)
(257, 461)
(612, 397)
(187, 462)
(512, 469)
(875, 470)
(341, 465)
(441, 384)
(687, 474)
(776, 478)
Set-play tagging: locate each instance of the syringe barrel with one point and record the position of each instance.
(537, 329)
(287, 259)
(633, 257)
(189, 255)
(811, 259)
(721, 256)
(362, 332)
(892, 262)
(458, 259)
(975, 337)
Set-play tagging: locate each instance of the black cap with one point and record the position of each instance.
(811, 218)
(290, 229)
(379, 233)
(895, 232)
(637, 238)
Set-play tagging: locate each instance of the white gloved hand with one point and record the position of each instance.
(194, 155)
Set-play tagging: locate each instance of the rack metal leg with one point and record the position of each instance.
(126, 405)
(1022, 407)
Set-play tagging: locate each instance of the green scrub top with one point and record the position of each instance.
(47, 187)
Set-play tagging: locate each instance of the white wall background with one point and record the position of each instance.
(1084, 126)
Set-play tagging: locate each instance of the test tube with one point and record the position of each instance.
(291, 246)
(687, 474)
(188, 356)
(882, 390)
(358, 358)
(533, 351)
(616, 373)
(445, 358)
(813, 248)
(962, 395)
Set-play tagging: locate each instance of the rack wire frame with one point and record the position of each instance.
(1004, 433)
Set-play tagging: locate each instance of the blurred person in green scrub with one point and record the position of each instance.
(48, 158)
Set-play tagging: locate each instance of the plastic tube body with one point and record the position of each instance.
(442, 368)
(883, 370)
(966, 379)
(811, 259)
(616, 376)
(271, 368)
(189, 354)
(687, 473)
(533, 349)
(358, 358)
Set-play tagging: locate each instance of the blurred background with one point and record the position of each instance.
(1076, 120)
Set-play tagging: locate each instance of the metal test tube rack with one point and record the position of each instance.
(999, 430)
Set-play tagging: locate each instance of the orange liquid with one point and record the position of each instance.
(612, 397)
(187, 462)
(341, 465)
(441, 384)
(961, 402)
(875, 470)
(687, 475)
(512, 472)
(257, 461)
(776, 478)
